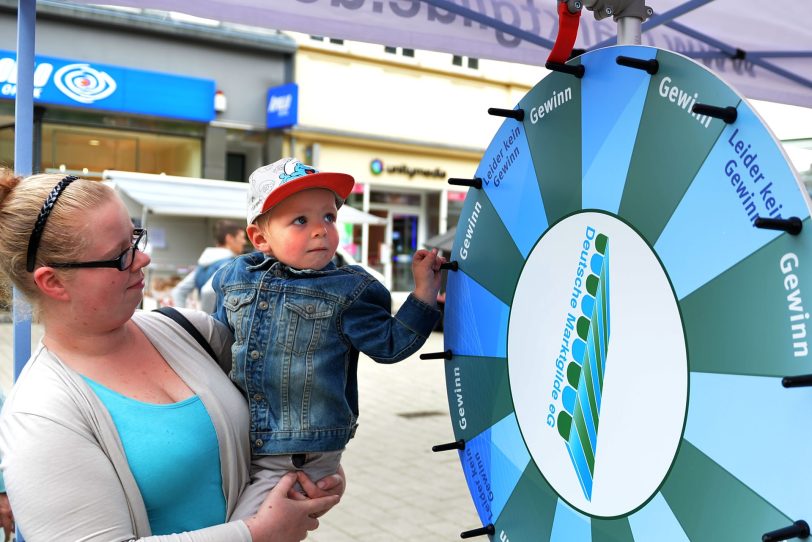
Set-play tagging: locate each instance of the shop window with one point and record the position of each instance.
(471, 62)
(335, 41)
(89, 151)
(355, 199)
(405, 51)
(395, 198)
(235, 167)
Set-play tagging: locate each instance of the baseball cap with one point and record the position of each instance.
(270, 184)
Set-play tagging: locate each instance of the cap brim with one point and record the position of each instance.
(339, 183)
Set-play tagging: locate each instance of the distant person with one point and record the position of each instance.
(230, 238)
(120, 427)
(299, 323)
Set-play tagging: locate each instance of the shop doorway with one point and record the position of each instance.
(391, 247)
(404, 245)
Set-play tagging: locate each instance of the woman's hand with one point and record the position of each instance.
(283, 519)
(335, 484)
(6, 517)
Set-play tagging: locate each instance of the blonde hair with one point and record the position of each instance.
(21, 200)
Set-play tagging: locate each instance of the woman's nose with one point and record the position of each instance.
(142, 259)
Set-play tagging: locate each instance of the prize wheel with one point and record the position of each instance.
(619, 327)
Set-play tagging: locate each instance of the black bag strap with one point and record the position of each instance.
(176, 315)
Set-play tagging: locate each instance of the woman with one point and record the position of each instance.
(121, 427)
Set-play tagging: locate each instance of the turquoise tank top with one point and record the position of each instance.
(173, 454)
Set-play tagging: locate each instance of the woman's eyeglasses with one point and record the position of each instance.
(124, 260)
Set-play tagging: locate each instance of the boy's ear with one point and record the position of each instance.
(259, 239)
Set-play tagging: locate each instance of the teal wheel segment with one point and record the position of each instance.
(753, 319)
(484, 249)
(745, 176)
(570, 525)
(475, 320)
(552, 124)
(656, 521)
(493, 463)
(712, 504)
(504, 171)
(478, 394)
(672, 143)
(611, 530)
(740, 422)
(531, 510)
(612, 100)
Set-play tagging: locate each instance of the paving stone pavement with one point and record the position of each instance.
(397, 488)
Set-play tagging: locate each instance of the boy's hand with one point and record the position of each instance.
(427, 276)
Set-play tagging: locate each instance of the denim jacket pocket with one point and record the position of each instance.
(304, 324)
(238, 307)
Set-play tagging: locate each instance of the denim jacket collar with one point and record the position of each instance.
(262, 262)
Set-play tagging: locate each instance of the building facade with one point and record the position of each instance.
(147, 91)
(402, 122)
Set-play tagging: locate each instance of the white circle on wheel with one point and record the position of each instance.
(598, 364)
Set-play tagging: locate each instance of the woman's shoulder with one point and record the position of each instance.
(209, 327)
(170, 338)
(46, 387)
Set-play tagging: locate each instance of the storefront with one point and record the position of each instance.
(74, 101)
(140, 91)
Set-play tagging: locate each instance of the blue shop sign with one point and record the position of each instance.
(111, 88)
(283, 106)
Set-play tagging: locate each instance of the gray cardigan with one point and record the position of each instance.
(64, 465)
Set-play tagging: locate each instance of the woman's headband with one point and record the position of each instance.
(39, 225)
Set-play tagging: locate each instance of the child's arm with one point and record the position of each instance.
(427, 275)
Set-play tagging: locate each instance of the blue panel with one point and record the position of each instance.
(475, 320)
(609, 138)
(506, 436)
(570, 525)
(508, 176)
(725, 196)
(493, 462)
(576, 450)
(758, 431)
(282, 106)
(112, 88)
(656, 521)
(568, 399)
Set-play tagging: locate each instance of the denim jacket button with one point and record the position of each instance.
(263, 305)
(258, 442)
(257, 397)
(310, 309)
(254, 354)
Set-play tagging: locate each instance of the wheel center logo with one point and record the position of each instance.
(598, 365)
(579, 420)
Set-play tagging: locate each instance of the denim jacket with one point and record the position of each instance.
(297, 334)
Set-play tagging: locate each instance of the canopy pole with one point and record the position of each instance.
(628, 14)
(23, 143)
(629, 31)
